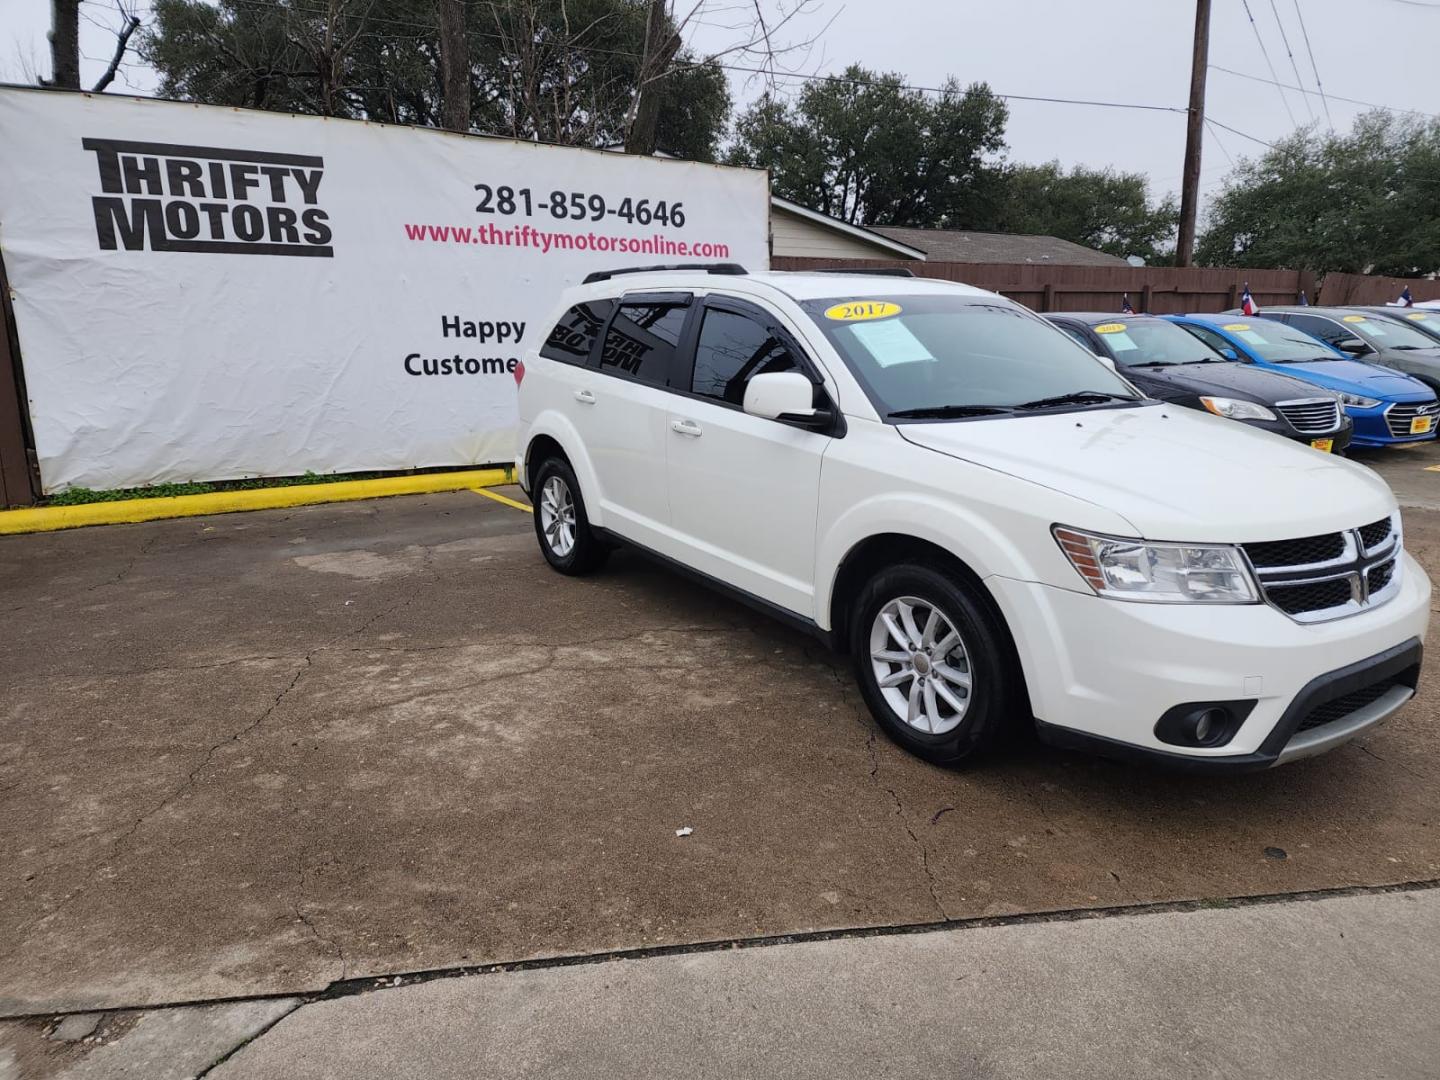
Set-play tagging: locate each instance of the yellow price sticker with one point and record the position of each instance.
(1354, 318)
(861, 310)
(1236, 327)
(1110, 328)
(1416, 315)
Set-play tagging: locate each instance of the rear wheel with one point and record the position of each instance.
(561, 524)
(932, 663)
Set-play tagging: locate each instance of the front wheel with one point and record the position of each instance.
(561, 524)
(932, 663)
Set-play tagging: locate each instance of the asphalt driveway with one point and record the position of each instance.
(258, 753)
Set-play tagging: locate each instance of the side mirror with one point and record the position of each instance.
(1107, 362)
(787, 396)
(1229, 354)
(1353, 345)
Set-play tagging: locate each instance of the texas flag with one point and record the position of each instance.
(1126, 308)
(1406, 300)
(1247, 302)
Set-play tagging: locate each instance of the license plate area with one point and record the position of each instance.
(1421, 425)
(1325, 446)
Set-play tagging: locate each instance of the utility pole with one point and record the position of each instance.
(1194, 136)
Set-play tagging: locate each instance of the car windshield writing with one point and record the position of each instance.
(1142, 341)
(954, 352)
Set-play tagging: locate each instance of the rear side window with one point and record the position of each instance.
(1209, 337)
(574, 335)
(1324, 329)
(642, 339)
(1078, 335)
(731, 348)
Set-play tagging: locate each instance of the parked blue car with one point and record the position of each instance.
(1387, 407)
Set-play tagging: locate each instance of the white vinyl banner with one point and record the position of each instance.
(204, 293)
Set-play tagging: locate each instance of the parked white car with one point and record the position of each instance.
(994, 524)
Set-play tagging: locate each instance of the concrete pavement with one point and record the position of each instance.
(1343, 988)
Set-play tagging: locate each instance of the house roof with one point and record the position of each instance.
(893, 244)
(955, 245)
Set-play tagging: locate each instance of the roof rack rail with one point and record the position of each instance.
(732, 269)
(876, 271)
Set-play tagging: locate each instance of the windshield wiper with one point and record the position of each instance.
(926, 412)
(1082, 397)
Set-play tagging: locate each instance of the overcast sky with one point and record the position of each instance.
(1380, 51)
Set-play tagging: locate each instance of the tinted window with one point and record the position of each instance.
(1209, 337)
(571, 339)
(1323, 329)
(732, 348)
(1078, 335)
(642, 340)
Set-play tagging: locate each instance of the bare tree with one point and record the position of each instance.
(756, 48)
(130, 22)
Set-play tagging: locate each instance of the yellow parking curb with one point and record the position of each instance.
(50, 518)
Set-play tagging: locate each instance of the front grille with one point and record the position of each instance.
(1301, 552)
(1398, 416)
(1375, 534)
(1310, 596)
(1312, 578)
(1313, 417)
(1377, 577)
(1341, 707)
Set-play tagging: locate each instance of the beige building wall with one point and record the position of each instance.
(791, 234)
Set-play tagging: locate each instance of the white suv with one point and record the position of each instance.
(998, 527)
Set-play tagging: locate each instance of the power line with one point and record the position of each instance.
(1211, 124)
(1266, 53)
(1285, 40)
(1306, 34)
(735, 67)
(1336, 97)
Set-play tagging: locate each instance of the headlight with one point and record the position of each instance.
(1232, 409)
(1125, 569)
(1358, 402)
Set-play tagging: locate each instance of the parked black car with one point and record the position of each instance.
(1171, 365)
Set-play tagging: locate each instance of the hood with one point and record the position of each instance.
(1225, 379)
(1173, 473)
(1427, 356)
(1354, 377)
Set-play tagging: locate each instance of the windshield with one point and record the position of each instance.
(1145, 341)
(917, 354)
(1385, 334)
(1277, 343)
(1427, 324)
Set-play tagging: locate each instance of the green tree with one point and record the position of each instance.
(1362, 202)
(1099, 208)
(562, 71)
(866, 149)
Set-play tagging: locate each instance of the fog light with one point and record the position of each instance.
(1202, 723)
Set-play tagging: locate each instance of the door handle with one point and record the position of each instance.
(585, 397)
(685, 427)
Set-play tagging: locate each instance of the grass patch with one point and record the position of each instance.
(78, 496)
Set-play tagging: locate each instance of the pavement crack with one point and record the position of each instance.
(298, 906)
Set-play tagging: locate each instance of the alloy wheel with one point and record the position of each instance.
(921, 665)
(557, 516)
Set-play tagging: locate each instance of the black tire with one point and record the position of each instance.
(996, 691)
(586, 552)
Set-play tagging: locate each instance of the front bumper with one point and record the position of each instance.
(1373, 429)
(1101, 673)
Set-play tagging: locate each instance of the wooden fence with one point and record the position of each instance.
(1160, 290)
(1368, 289)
